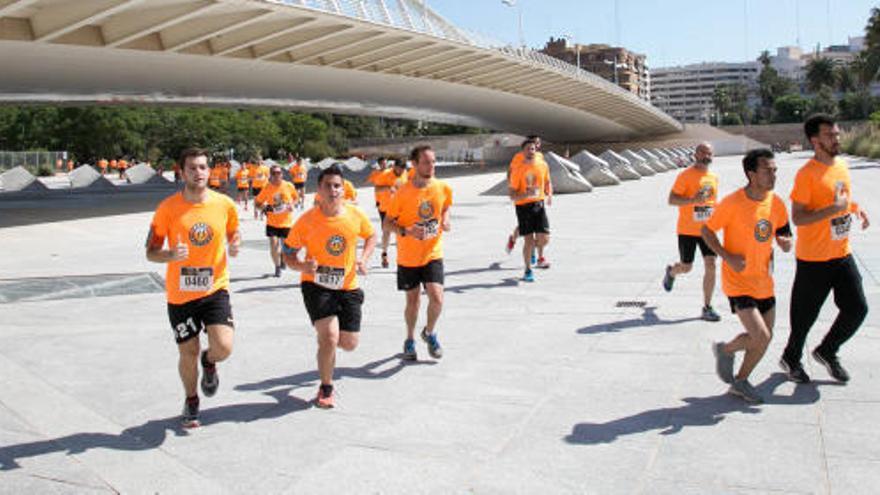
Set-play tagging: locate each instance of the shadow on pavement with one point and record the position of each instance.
(698, 411)
(310, 378)
(494, 267)
(268, 288)
(649, 319)
(152, 434)
(507, 282)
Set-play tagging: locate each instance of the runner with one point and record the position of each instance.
(215, 178)
(277, 200)
(199, 225)
(419, 213)
(329, 236)
(514, 162)
(694, 193)
(298, 176)
(242, 183)
(259, 180)
(751, 218)
(102, 165)
(530, 187)
(822, 209)
(122, 166)
(386, 183)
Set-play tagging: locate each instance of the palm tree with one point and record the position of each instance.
(847, 78)
(764, 58)
(820, 72)
(871, 66)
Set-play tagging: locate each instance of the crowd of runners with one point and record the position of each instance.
(331, 243)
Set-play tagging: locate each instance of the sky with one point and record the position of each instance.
(669, 32)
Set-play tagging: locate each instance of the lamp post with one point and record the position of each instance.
(577, 46)
(513, 3)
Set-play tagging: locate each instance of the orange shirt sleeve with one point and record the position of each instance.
(447, 202)
(366, 227)
(680, 185)
(231, 218)
(263, 196)
(802, 190)
(158, 228)
(720, 217)
(295, 239)
(394, 207)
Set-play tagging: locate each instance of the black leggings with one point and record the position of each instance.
(813, 281)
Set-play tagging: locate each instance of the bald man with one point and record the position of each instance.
(694, 193)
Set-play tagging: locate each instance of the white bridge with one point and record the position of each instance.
(395, 58)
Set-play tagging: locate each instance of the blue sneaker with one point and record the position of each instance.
(434, 348)
(409, 350)
(528, 276)
(534, 257)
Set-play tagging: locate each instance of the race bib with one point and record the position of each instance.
(840, 227)
(196, 279)
(329, 277)
(702, 213)
(279, 208)
(432, 228)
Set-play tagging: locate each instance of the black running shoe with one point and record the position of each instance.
(832, 364)
(190, 416)
(210, 378)
(795, 372)
(668, 279)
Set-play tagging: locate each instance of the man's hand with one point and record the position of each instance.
(784, 242)
(863, 215)
(417, 231)
(309, 266)
(361, 266)
(737, 263)
(180, 251)
(841, 199)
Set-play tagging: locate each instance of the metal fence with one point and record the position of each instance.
(33, 161)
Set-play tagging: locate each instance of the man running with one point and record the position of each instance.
(694, 193)
(386, 183)
(822, 209)
(242, 184)
(276, 200)
(515, 162)
(529, 188)
(328, 234)
(298, 175)
(419, 213)
(259, 180)
(751, 218)
(199, 226)
(215, 177)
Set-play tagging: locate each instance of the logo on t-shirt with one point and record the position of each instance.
(426, 210)
(200, 234)
(335, 245)
(763, 230)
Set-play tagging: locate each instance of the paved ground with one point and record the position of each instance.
(545, 388)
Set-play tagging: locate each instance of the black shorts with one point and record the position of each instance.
(256, 191)
(532, 218)
(745, 302)
(381, 216)
(343, 304)
(191, 318)
(409, 278)
(687, 248)
(278, 232)
(300, 187)
(242, 189)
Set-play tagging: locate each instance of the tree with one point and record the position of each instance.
(872, 46)
(731, 104)
(857, 105)
(847, 78)
(820, 72)
(823, 102)
(772, 86)
(790, 109)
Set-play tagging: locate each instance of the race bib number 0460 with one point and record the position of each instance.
(196, 279)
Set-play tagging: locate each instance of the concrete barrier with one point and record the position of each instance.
(653, 161)
(19, 179)
(85, 177)
(620, 166)
(596, 170)
(566, 175)
(664, 158)
(144, 174)
(638, 163)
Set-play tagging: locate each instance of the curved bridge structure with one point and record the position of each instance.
(395, 58)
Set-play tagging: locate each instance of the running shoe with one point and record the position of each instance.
(534, 257)
(745, 390)
(324, 399)
(190, 416)
(723, 362)
(409, 350)
(434, 348)
(210, 378)
(528, 276)
(709, 314)
(668, 279)
(511, 243)
(832, 364)
(795, 372)
(542, 263)
(277, 271)
(384, 260)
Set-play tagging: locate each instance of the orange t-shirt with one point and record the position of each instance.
(122, 164)
(749, 230)
(280, 198)
(413, 205)
(814, 187)
(690, 181)
(114, 164)
(387, 178)
(261, 177)
(297, 173)
(102, 164)
(205, 227)
(525, 175)
(519, 158)
(332, 243)
(241, 178)
(215, 177)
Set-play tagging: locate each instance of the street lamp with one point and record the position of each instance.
(577, 46)
(513, 3)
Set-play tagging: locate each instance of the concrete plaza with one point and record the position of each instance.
(590, 380)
